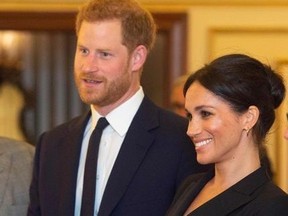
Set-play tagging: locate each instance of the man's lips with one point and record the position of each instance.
(92, 81)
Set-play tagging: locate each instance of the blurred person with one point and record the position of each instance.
(144, 153)
(177, 99)
(15, 176)
(13, 100)
(231, 106)
(286, 130)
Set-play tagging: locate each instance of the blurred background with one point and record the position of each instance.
(37, 43)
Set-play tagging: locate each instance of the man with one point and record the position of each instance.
(15, 175)
(144, 153)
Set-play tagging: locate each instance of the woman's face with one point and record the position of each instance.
(215, 129)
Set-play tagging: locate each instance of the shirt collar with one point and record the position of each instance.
(121, 117)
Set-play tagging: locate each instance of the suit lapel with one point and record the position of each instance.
(133, 151)
(223, 204)
(69, 150)
(188, 192)
(235, 197)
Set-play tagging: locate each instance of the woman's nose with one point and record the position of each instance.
(194, 128)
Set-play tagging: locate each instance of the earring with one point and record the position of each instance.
(247, 131)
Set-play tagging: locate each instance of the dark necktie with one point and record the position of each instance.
(89, 184)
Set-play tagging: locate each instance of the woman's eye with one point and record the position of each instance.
(189, 116)
(205, 114)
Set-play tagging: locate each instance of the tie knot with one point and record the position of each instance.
(102, 123)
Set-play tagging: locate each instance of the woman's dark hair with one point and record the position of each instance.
(243, 81)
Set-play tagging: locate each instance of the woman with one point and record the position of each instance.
(230, 105)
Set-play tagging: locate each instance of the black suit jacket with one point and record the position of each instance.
(253, 195)
(156, 155)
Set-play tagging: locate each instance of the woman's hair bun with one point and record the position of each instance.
(277, 86)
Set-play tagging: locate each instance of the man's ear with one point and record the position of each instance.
(251, 117)
(138, 57)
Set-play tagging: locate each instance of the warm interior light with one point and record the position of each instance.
(10, 46)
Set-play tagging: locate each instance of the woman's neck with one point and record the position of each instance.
(230, 172)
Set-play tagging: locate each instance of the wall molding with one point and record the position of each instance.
(153, 5)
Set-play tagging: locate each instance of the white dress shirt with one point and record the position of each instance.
(112, 138)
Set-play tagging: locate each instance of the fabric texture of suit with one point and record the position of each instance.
(16, 159)
(253, 195)
(156, 155)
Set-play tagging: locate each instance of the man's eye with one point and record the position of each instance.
(105, 54)
(84, 51)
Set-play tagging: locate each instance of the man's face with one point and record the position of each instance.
(103, 71)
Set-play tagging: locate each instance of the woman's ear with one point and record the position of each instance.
(138, 57)
(250, 118)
